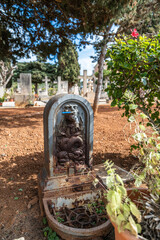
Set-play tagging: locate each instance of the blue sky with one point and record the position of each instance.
(85, 61)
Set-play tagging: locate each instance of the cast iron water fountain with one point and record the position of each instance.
(72, 205)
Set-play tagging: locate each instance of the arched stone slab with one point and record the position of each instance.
(68, 133)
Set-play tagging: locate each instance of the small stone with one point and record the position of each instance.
(22, 238)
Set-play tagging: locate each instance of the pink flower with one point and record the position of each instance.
(134, 33)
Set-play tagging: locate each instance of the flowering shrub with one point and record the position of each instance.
(134, 66)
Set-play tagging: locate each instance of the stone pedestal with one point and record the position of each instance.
(62, 86)
(23, 100)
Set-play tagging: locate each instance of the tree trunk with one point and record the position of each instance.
(36, 88)
(100, 71)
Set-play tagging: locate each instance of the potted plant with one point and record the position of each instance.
(123, 212)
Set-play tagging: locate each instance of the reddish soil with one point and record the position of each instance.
(21, 158)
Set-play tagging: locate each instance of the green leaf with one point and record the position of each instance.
(121, 217)
(16, 198)
(126, 210)
(151, 59)
(113, 103)
(132, 106)
(134, 229)
(44, 221)
(119, 179)
(135, 211)
(139, 228)
(46, 229)
(131, 119)
(142, 152)
(158, 146)
(56, 238)
(20, 189)
(109, 209)
(109, 195)
(142, 127)
(138, 182)
(109, 181)
(143, 116)
(123, 191)
(116, 200)
(128, 227)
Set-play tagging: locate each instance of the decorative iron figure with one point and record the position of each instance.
(70, 140)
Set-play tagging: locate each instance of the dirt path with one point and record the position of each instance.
(21, 158)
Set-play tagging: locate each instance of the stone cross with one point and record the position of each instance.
(46, 80)
(85, 78)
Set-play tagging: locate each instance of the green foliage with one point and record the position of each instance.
(106, 73)
(59, 219)
(119, 207)
(39, 26)
(2, 99)
(142, 15)
(135, 71)
(38, 70)
(48, 233)
(52, 91)
(148, 141)
(69, 68)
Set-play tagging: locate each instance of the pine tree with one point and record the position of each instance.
(39, 26)
(68, 68)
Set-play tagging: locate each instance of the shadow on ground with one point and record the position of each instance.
(121, 161)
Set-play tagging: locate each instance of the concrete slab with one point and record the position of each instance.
(8, 104)
(39, 104)
(101, 172)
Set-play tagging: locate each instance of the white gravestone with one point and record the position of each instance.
(26, 83)
(46, 80)
(76, 89)
(62, 86)
(2, 91)
(25, 86)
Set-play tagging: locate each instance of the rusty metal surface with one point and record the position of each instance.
(70, 233)
(88, 215)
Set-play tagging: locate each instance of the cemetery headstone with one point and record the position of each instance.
(62, 86)
(26, 83)
(46, 80)
(76, 89)
(43, 94)
(2, 91)
(25, 96)
(18, 86)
